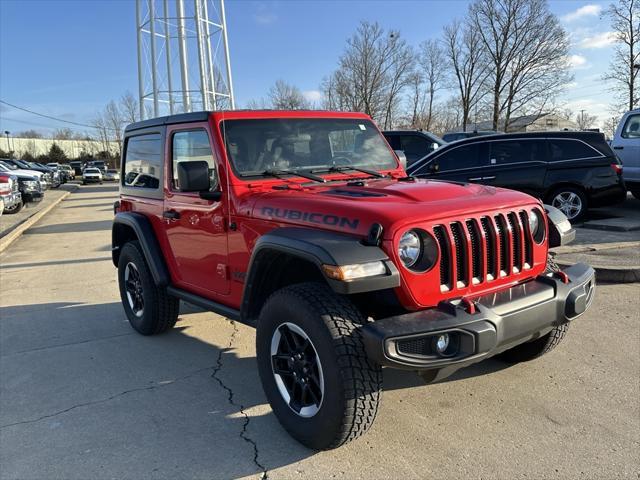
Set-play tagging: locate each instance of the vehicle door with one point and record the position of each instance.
(195, 227)
(626, 146)
(460, 163)
(518, 163)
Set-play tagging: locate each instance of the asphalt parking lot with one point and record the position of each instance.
(83, 396)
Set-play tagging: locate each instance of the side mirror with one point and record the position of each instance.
(434, 146)
(193, 176)
(402, 158)
(434, 167)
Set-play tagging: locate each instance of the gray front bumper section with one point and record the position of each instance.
(500, 321)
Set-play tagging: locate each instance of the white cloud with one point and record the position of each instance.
(265, 18)
(312, 96)
(585, 11)
(599, 40)
(577, 61)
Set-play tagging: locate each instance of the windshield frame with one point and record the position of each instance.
(261, 176)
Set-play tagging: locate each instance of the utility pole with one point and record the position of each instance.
(7, 132)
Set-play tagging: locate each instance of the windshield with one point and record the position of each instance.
(257, 146)
(92, 170)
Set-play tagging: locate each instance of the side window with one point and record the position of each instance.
(394, 141)
(631, 127)
(415, 147)
(143, 161)
(190, 146)
(517, 151)
(570, 149)
(468, 156)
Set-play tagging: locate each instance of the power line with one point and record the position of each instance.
(53, 118)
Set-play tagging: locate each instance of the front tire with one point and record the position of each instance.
(149, 308)
(313, 366)
(15, 209)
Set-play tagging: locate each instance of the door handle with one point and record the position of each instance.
(171, 215)
(618, 148)
(489, 178)
(474, 179)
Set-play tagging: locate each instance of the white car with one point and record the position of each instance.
(19, 171)
(112, 175)
(91, 175)
(626, 145)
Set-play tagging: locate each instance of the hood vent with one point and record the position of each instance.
(353, 193)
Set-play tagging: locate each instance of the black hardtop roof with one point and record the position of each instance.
(169, 120)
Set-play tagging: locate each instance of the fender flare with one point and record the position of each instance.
(145, 234)
(320, 247)
(560, 230)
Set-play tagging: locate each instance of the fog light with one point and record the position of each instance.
(442, 343)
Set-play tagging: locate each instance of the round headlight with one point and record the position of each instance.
(409, 248)
(418, 250)
(536, 225)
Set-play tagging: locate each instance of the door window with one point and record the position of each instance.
(517, 151)
(191, 146)
(570, 150)
(631, 127)
(468, 156)
(143, 161)
(415, 147)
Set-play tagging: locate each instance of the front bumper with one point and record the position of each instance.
(482, 327)
(91, 179)
(11, 199)
(32, 196)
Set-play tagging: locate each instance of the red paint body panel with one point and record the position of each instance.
(208, 258)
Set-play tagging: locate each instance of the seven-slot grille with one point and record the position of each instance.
(477, 250)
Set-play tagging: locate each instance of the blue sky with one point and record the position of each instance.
(69, 58)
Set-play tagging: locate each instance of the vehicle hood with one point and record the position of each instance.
(392, 203)
(28, 173)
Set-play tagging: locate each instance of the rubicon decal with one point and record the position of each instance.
(311, 217)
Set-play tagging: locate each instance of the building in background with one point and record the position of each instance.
(544, 122)
(71, 148)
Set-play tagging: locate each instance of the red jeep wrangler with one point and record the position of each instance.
(305, 225)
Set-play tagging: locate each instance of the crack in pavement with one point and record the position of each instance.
(247, 419)
(108, 399)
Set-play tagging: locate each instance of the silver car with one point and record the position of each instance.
(112, 175)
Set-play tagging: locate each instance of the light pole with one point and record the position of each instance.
(7, 132)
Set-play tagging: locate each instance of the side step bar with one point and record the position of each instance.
(230, 313)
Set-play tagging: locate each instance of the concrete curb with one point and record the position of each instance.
(610, 274)
(11, 237)
(594, 247)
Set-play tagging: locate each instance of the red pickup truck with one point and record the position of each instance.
(305, 225)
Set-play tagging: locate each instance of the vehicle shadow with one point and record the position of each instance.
(190, 397)
(100, 396)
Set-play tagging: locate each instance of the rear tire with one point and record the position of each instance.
(571, 201)
(149, 308)
(337, 399)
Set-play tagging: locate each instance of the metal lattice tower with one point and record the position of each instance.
(183, 57)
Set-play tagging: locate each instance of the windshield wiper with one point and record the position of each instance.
(344, 168)
(280, 173)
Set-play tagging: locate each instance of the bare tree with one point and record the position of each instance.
(609, 126)
(416, 99)
(527, 50)
(372, 73)
(585, 121)
(433, 63)
(63, 134)
(129, 108)
(28, 134)
(284, 96)
(463, 49)
(623, 69)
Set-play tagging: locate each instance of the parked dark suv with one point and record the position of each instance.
(414, 143)
(572, 171)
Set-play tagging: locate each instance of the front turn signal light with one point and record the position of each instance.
(346, 273)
